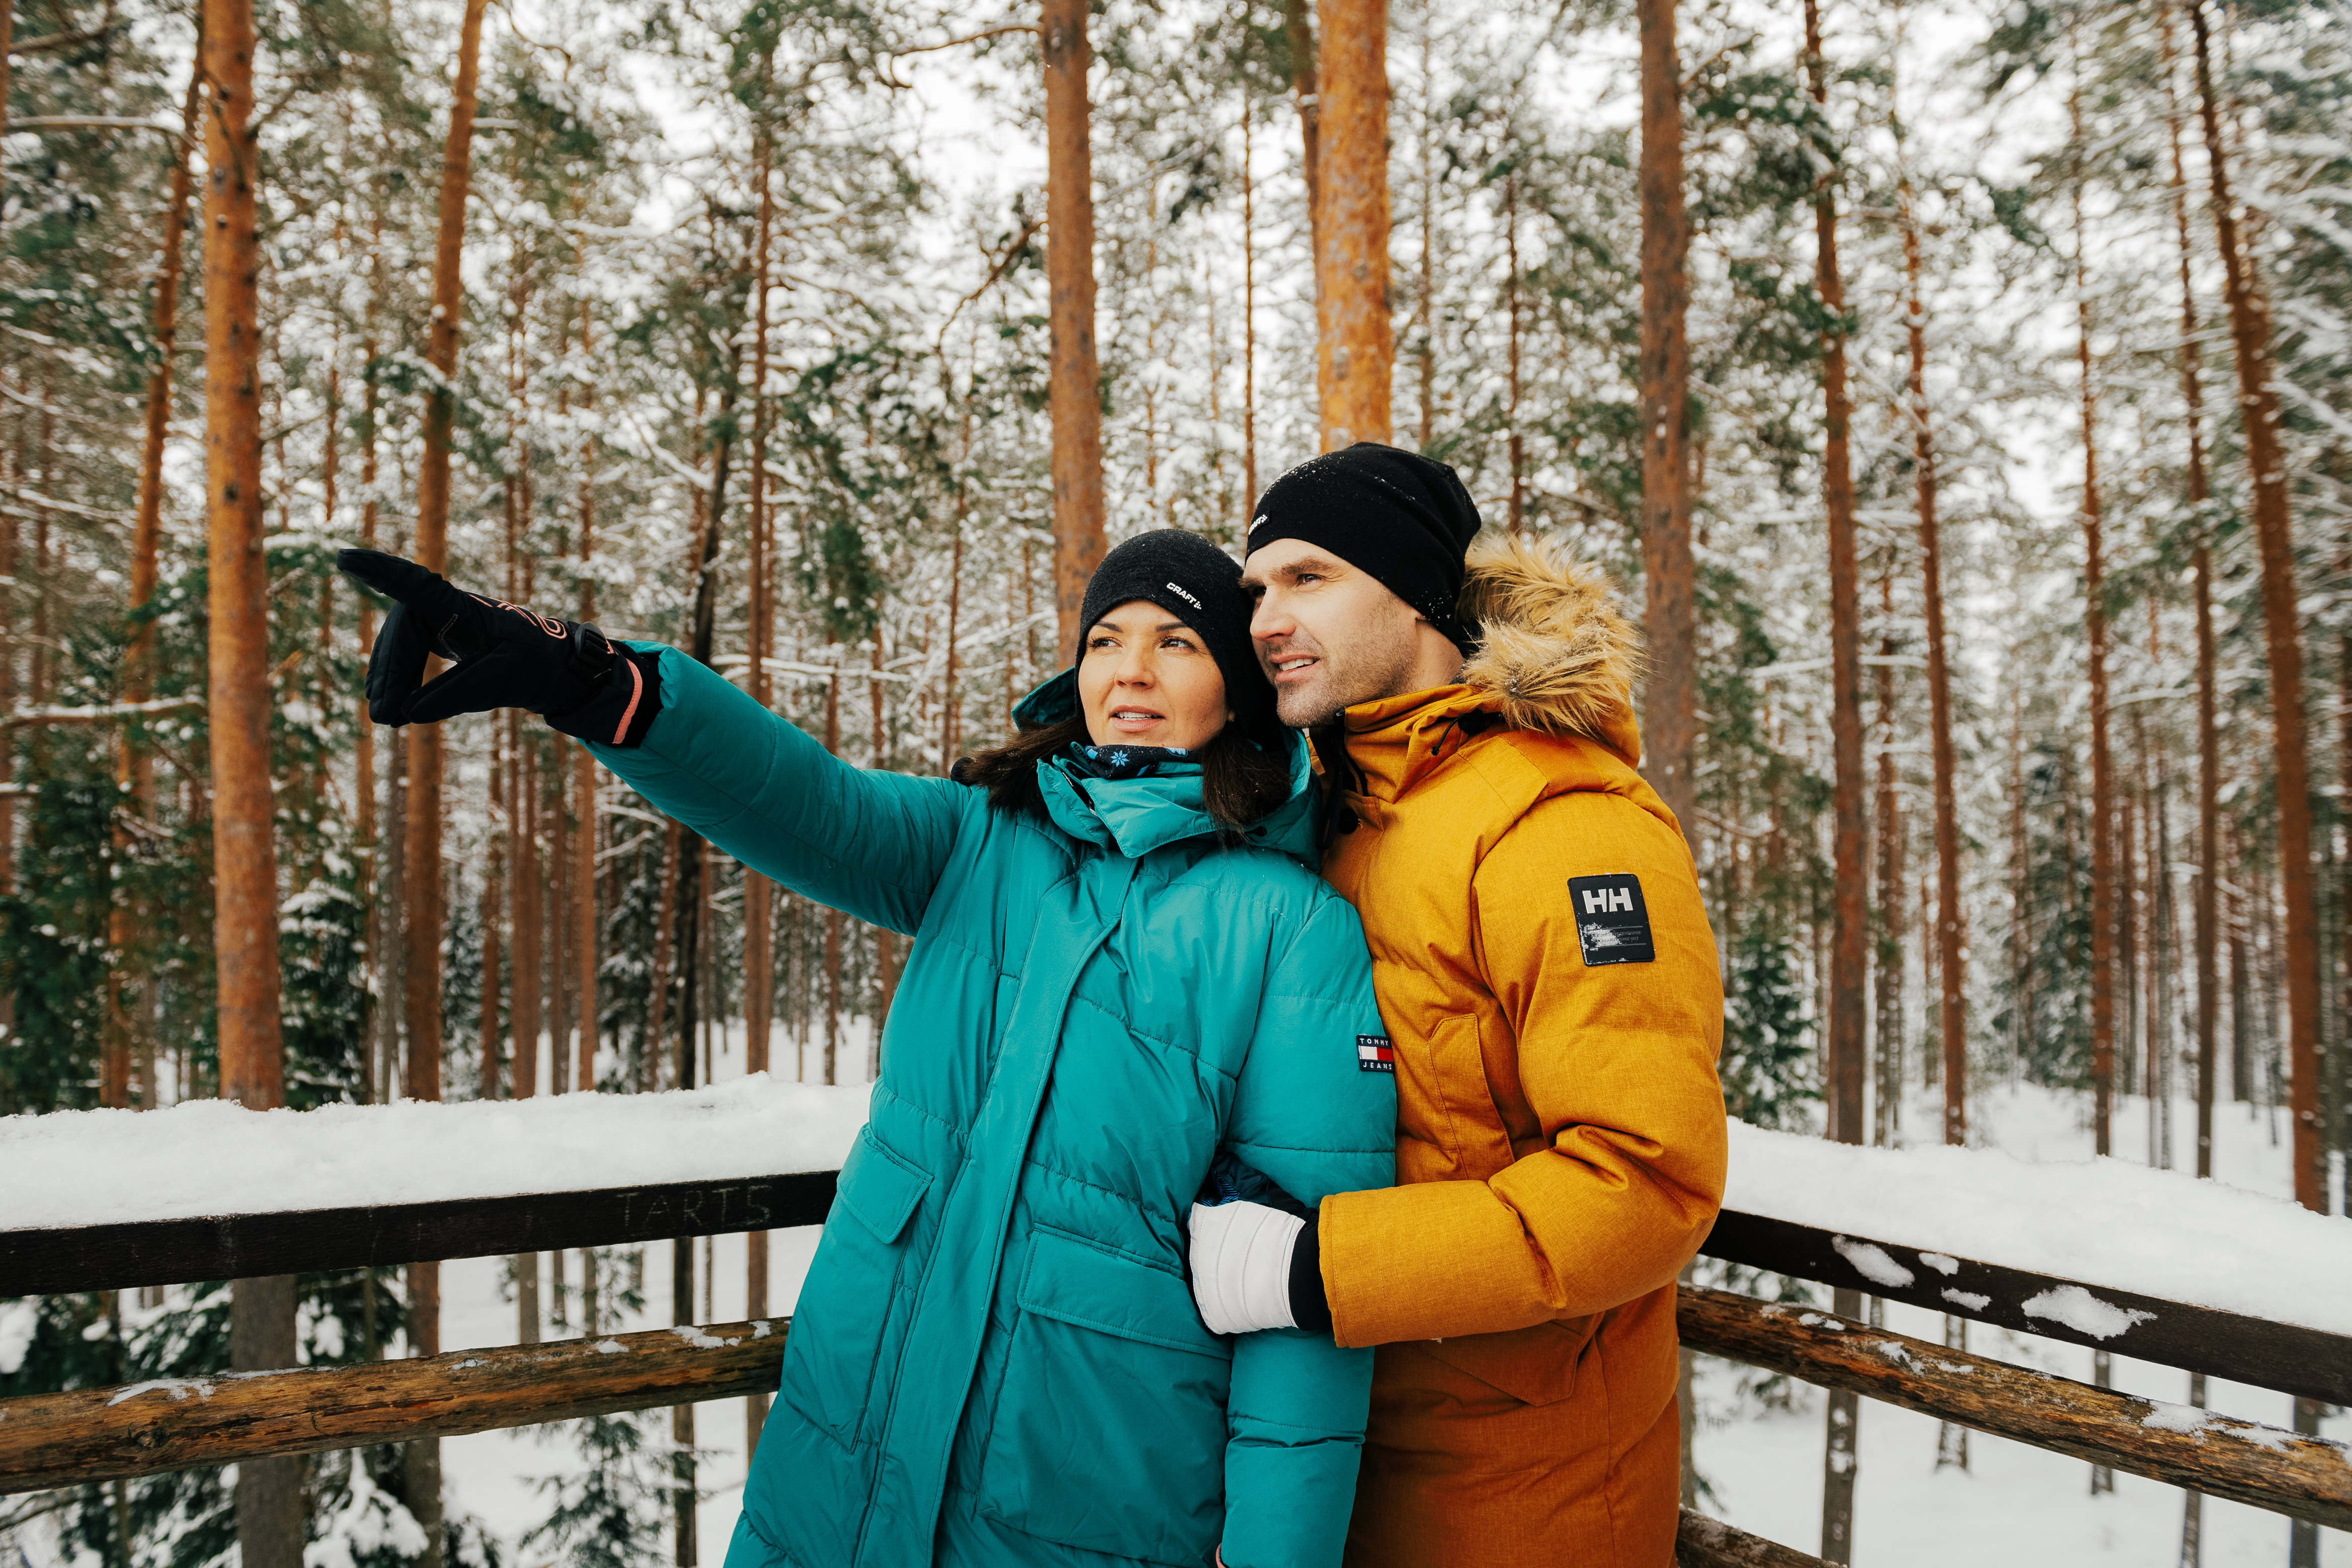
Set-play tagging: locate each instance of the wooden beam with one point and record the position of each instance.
(97, 1434)
(1704, 1543)
(56, 1260)
(2266, 1466)
(2307, 1362)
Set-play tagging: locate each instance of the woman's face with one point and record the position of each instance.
(1145, 678)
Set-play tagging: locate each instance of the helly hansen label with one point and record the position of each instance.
(1611, 922)
(1375, 1053)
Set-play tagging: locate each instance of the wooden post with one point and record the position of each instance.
(1355, 341)
(1075, 394)
(1669, 612)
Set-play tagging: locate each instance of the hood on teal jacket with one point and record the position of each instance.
(997, 1359)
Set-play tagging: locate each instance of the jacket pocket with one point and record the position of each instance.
(1535, 1366)
(830, 1358)
(1109, 1430)
(1446, 1099)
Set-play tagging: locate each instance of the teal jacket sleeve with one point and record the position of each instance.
(870, 844)
(1319, 1115)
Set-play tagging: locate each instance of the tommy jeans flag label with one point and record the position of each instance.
(1375, 1053)
(1611, 922)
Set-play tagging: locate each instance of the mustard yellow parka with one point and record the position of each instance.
(1560, 1138)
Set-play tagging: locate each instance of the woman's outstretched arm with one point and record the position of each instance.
(872, 845)
(869, 843)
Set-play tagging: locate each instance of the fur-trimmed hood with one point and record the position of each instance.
(1557, 656)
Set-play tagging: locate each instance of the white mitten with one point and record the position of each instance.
(1241, 1266)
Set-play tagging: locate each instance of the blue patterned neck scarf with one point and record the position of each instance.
(1126, 761)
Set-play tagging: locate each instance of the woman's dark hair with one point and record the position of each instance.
(1241, 781)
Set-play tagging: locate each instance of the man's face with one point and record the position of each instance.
(1328, 636)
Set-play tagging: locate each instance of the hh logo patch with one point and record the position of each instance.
(1375, 1053)
(1611, 921)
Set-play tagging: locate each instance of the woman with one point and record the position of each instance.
(1123, 970)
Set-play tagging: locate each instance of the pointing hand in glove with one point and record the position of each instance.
(503, 656)
(1257, 1261)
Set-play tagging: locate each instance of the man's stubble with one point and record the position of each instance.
(1375, 663)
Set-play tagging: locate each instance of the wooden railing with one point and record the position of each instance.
(50, 1440)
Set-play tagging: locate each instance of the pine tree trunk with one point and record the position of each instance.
(1075, 393)
(1249, 358)
(424, 906)
(1952, 1001)
(1669, 611)
(245, 861)
(886, 941)
(8, 42)
(658, 994)
(584, 919)
(1849, 954)
(2102, 799)
(759, 892)
(1299, 32)
(245, 858)
(1514, 445)
(1356, 342)
(135, 771)
(493, 874)
(2202, 570)
(2249, 333)
(833, 917)
(1886, 1053)
(1673, 192)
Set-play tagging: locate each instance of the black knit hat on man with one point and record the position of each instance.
(1199, 585)
(1402, 517)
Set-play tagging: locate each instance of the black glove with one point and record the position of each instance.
(503, 656)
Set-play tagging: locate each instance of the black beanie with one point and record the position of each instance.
(1402, 518)
(1199, 585)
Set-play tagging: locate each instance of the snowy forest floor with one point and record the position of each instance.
(1759, 1443)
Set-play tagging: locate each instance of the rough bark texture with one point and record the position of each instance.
(244, 857)
(2258, 403)
(2260, 1466)
(1356, 342)
(95, 1434)
(1074, 395)
(1704, 1543)
(1669, 614)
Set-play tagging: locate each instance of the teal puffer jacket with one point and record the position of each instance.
(997, 1359)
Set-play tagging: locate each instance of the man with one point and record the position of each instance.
(1549, 983)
